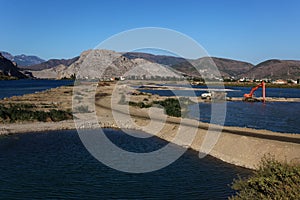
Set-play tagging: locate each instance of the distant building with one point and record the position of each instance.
(292, 81)
(280, 81)
(244, 79)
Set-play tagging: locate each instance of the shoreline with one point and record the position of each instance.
(235, 145)
(229, 138)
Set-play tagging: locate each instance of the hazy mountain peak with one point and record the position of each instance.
(23, 60)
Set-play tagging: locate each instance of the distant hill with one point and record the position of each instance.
(22, 60)
(227, 67)
(275, 69)
(52, 63)
(8, 70)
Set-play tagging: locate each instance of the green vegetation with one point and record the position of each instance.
(173, 107)
(273, 180)
(140, 104)
(25, 112)
(4, 77)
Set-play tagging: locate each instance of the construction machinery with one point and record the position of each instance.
(249, 97)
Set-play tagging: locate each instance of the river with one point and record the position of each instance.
(55, 165)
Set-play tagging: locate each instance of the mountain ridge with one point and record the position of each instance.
(228, 68)
(22, 60)
(52, 63)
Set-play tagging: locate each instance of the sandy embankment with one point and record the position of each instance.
(239, 146)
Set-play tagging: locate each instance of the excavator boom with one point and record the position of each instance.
(250, 95)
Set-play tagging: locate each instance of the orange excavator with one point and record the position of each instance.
(249, 97)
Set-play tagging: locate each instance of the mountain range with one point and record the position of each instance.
(110, 63)
(22, 60)
(227, 67)
(52, 63)
(272, 69)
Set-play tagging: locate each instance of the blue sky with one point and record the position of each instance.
(252, 31)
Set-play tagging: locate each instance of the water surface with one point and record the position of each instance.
(55, 165)
(275, 116)
(27, 86)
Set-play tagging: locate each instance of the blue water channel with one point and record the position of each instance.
(55, 165)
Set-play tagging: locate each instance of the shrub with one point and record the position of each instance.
(42, 116)
(272, 180)
(59, 115)
(22, 112)
(171, 105)
(140, 104)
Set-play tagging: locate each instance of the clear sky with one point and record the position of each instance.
(249, 30)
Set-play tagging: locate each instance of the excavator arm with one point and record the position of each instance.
(250, 95)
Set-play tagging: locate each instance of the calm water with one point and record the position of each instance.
(55, 165)
(27, 86)
(236, 92)
(274, 116)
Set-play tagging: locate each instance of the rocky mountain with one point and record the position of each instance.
(8, 70)
(275, 69)
(51, 73)
(52, 63)
(107, 64)
(22, 60)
